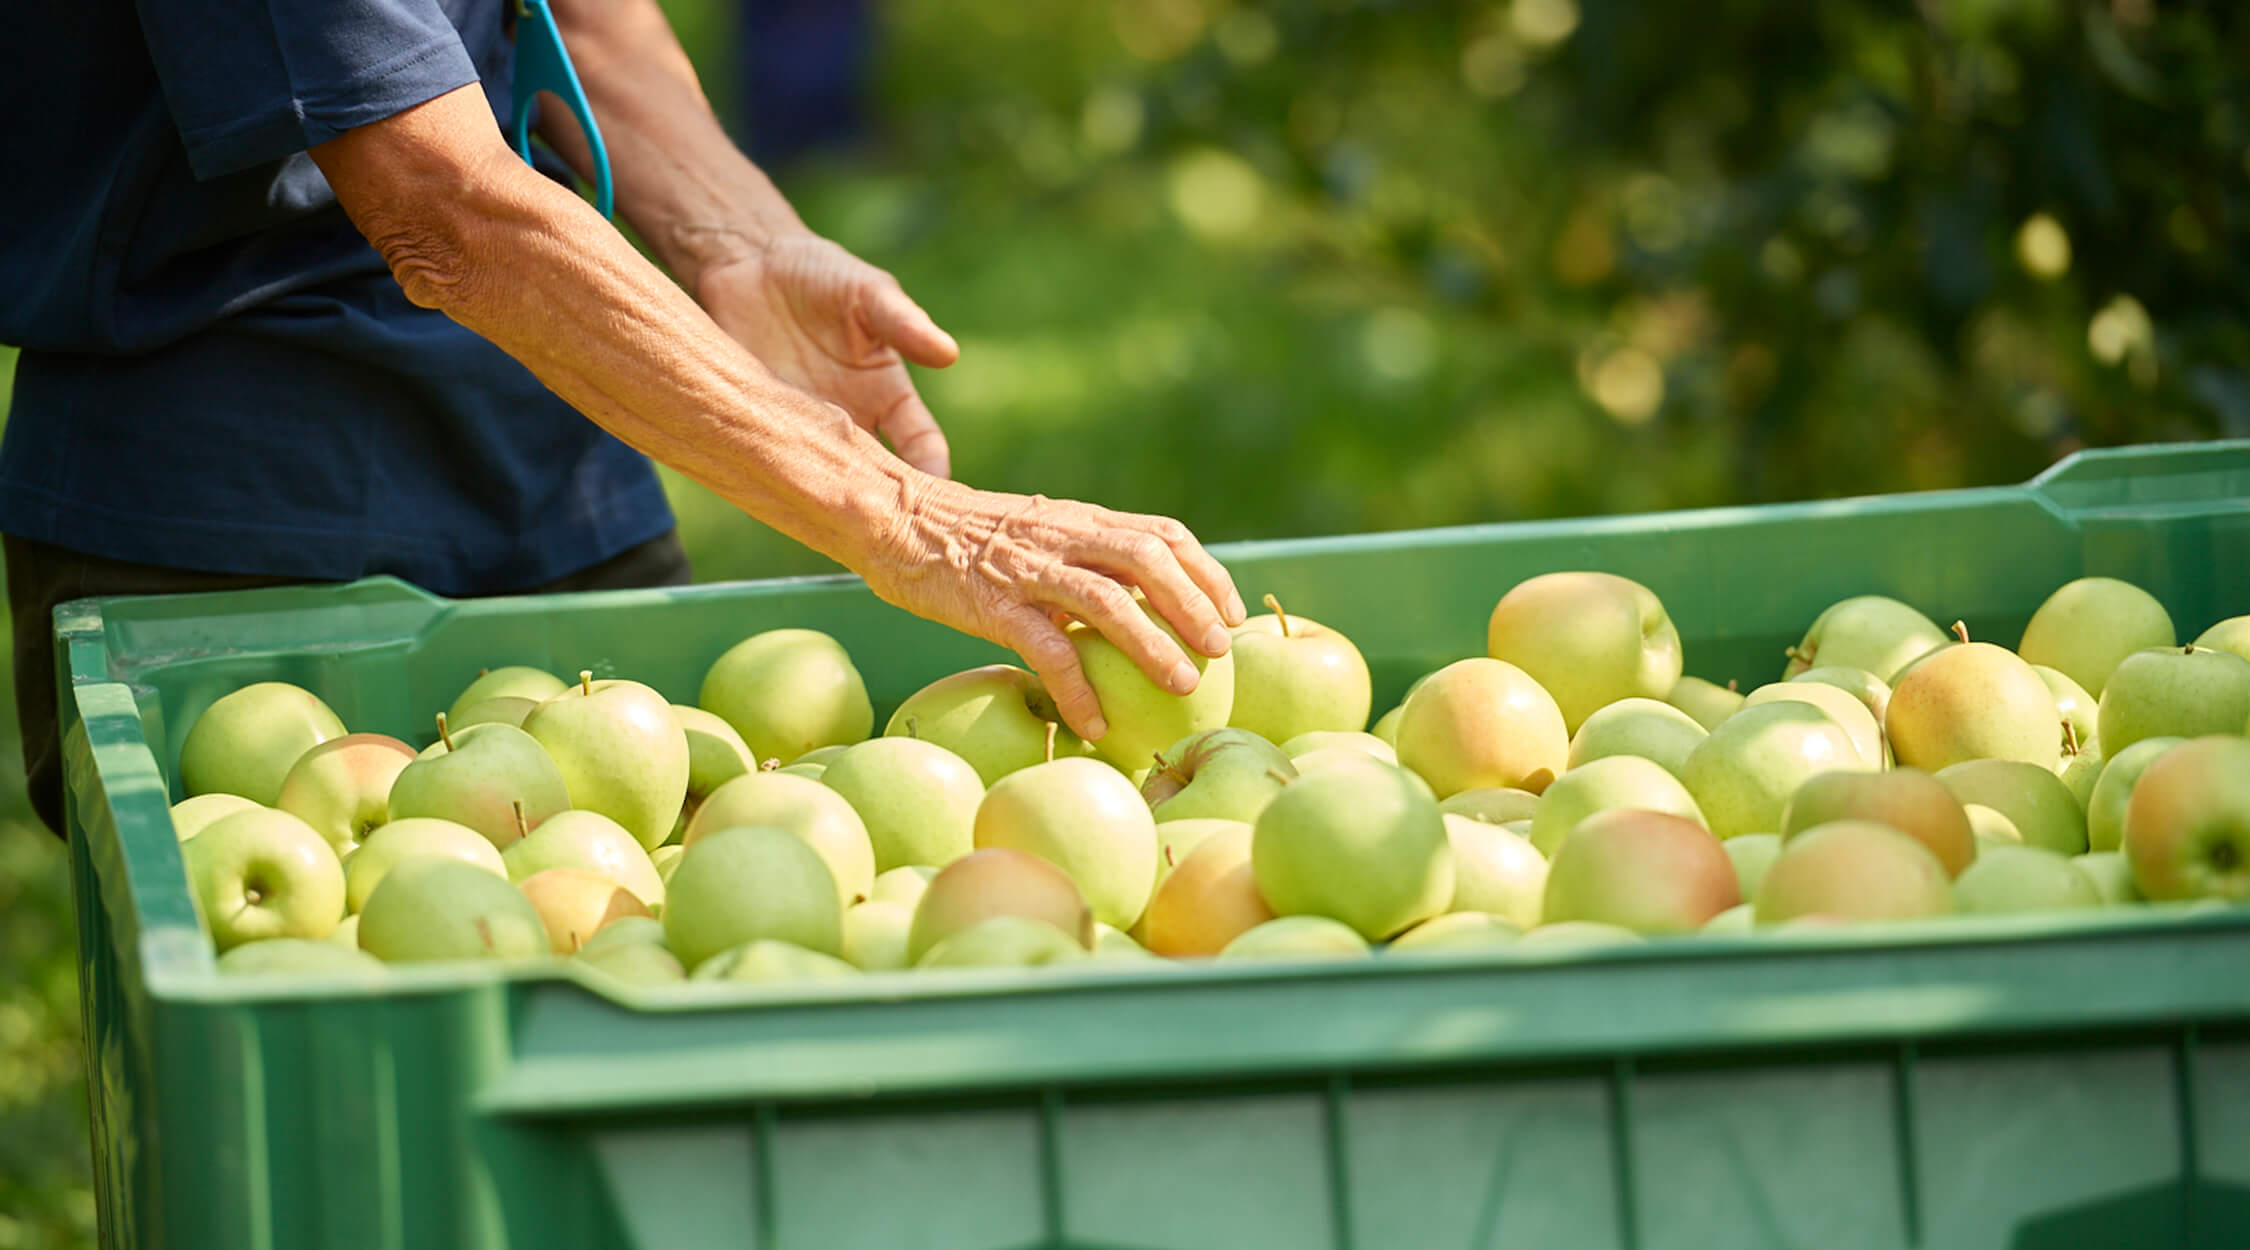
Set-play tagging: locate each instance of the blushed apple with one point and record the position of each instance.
(998, 882)
(1588, 639)
(1208, 900)
(1906, 799)
(1647, 871)
(1973, 701)
(343, 786)
(575, 903)
(1481, 723)
(1853, 870)
(2187, 825)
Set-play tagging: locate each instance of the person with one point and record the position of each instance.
(291, 309)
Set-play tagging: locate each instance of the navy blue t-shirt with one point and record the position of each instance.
(219, 373)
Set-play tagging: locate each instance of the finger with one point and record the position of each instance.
(1140, 557)
(900, 323)
(1110, 608)
(915, 436)
(1048, 653)
(1202, 567)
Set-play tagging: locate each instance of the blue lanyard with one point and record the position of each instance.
(543, 64)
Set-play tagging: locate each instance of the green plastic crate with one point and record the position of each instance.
(2028, 1084)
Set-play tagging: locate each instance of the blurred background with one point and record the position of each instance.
(1347, 265)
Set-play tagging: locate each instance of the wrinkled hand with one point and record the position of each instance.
(836, 327)
(1009, 568)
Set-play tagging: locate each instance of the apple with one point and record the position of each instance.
(2034, 799)
(917, 799)
(1174, 840)
(1004, 942)
(998, 882)
(999, 718)
(1873, 692)
(2187, 825)
(716, 754)
(515, 681)
(1707, 703)
(2113, 791)
(1143, 717)
(1084, 817)
(1870, 632)
(2077, 709)
(414, 837)
(1647, 728)
(1751, 854)
(2231, 634)
(2009, 879)
(739, 885)
(2081, 769)
(1495, 870)
(1991, 827)
(505, 710)
(2088, 626)
(1366, 848)
(574, 904)
(1853, 870)
(904, 886)
(634, 963)
(665, 859)
(822, 818)
(2175, 692)
(1340, 760)
(1117, 945)
(245, 742)
(1578, 935)
(1647, 871)
(1299, 937)
(1588, 639)
(1907, 799)
(263, 874)
(1494, 806)
(771, 960)
(436, 908)
(1741, 776)
(787, 691)
(588, 840)
(1293, 675)
(2111, 874)
(1618, 781)
(480, 779)
(1209, 900)
(1221, 774)
(1385, 727)
(343, 786)
(1327, 739)
(346, 932)
(1736, 921)
(1457, 931)
(1480, 723)
(875, 935)
(193, 816)
(621, 752)
(296, 956)
(1842, 707)
(625, 931)
(1973, 701)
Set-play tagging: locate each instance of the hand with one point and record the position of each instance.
(836, 327)
(1009, 568)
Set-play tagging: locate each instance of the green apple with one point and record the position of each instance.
(2077, 709)
(414, 837)
(1219, 774)
(1385, 727)
(824, 756)
(1339, 759)
(263, 873)
(1115, 944)
(1707, 703)
(1751, 854)
(1873, 692)
(716, 754)
(2111, 874)
(998, 882)
(1328, 739)
(2113, 790)
(1742, 775)
(246, 742)
(1870, 632)
(1647, 871)
(904, 886)
(2009, 879)
(2187, 826)
(1736, 921)
(343, 786)
(1480, 723)
(1616, 781)
(1084, 817)
(589, 840)
(1647, 728)
(506, 710)
(1578, 935)
(480, 780)
(634, 963)
(2088, 626)
(1208, 900)
(1004, 942)
(2174, 692)
(296, 956)
(1293, 675)
(1495, 870)
(770, 959)
(1853, 870)
(738, 885)
(1973, 701)
(2034, 799)
(1842, 707)
(435, 908)
(665, 859)
(2231, 634)
(1589, 639)
(621, 752)
(1366, 848)
(514, 681)
(193, 816)
(1991, 827)
(1457, 931)
(625, 931)
(917, 799)
(2081, 769)
(1494, 806)
(575, 904)
(1144, 718)
(1907, 799)
(999, 718)
(822, 818)
(875, 936)
(1299, 937)
(346, 932)
(787, 691)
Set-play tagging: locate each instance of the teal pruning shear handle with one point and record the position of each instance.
(543, 64)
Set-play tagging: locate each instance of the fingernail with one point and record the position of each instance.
(1184, 678)
(1096, 729)
(1236, 613)
(1217, 641)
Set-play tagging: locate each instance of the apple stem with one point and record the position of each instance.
(1168, 769)
(483, 671)
(1733, 686)
(1051, 728)
(586, 681)
(2070, 739)
(1961, 630)
(444, 734)
(1169, 860)
(769, 764)
(1275, 604)
(913, 726)
(1277, 775)
(523, 827)
(1798, 654)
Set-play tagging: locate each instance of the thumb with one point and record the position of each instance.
(898, 322)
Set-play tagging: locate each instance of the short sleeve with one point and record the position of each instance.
(251, 81)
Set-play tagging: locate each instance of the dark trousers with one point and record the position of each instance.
(42, 577)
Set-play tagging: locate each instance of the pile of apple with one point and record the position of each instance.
(1569, 788)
